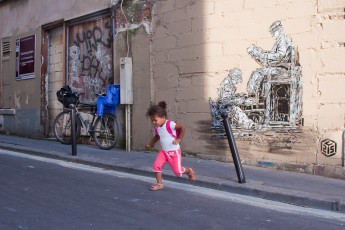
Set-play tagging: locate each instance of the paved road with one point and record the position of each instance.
(42, 193)
(283, 186)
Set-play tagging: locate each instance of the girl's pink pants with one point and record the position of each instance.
(174, 159)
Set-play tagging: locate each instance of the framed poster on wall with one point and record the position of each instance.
(25, 57)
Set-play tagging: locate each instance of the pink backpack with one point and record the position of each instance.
(169, 130)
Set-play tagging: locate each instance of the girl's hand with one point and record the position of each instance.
(148, 147)
(176, 141)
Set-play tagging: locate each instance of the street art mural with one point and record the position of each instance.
(273, 100)
(231, 102)
(90, 58)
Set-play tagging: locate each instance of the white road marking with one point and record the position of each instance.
(206, 192)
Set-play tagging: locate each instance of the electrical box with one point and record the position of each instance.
(126, 81)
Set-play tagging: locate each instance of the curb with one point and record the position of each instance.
(250, 188)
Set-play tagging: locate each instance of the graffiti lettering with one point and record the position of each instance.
(92, 38)
(90, 66)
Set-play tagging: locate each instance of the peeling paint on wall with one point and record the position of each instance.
(17, 100)
(133, 14)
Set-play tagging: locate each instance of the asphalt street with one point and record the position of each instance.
(45, 193)
(308, 191)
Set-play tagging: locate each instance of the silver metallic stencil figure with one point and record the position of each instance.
(274, 98)
(278, 83)
(227, 90)
(274, 62)
(229, 101)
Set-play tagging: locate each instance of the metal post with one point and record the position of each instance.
(233, 148)
(73, 130)
(343, 155)
(128, 120)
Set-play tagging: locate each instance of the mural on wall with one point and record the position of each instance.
(90, 57)
(274, 91)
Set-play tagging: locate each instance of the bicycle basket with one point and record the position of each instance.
(67, 97)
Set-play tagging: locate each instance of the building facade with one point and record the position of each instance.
(183, 52)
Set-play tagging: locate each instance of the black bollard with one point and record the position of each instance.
(73, 130)
(233, 148)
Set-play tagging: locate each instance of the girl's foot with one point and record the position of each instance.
(156, 187)
(191, 175)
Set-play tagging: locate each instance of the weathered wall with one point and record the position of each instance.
(142, 87)
(195, 43)
(19, 19)
(189, 48)
(20, 16)
(19, 96)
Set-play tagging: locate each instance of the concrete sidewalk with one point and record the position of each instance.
(288, 187)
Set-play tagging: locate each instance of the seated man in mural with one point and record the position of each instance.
(274, 62)
(229, 101)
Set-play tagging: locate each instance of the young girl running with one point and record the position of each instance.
(170, 135)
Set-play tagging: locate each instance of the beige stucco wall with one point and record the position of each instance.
(195, 43)
(139, 49)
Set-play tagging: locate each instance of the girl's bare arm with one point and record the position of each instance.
(152, 142)
(182, 129)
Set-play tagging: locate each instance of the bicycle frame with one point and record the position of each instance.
(88, 126)
(101, 129)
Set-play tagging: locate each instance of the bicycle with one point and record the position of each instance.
(103, 129)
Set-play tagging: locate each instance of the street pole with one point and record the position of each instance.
(73, 130)
(233, 148)
(343, 155)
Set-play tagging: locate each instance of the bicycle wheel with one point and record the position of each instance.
(106, 131)
(62, 127)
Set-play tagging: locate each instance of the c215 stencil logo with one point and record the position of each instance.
(328, 147)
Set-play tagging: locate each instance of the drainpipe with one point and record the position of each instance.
(113, 8)
(128, 127)
(113, 25)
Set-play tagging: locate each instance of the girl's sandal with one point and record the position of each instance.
(191, 175)
(156, 187)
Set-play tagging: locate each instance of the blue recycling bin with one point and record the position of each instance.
(108, 103)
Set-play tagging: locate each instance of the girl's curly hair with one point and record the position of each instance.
(157, 110)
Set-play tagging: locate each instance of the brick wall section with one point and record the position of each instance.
(56, 77)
